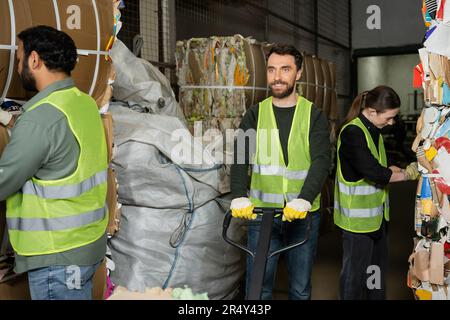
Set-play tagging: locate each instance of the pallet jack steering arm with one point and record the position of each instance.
(261, 255)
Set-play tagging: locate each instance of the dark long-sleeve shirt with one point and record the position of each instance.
(357, 161)
(320, 150)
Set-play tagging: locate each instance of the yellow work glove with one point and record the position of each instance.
(296, 209)
(242, 208)
(412, 171)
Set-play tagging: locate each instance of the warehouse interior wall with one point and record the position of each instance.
(149, 31)
(394, 18)
(395, 71)
(131, 25)
(383, 53)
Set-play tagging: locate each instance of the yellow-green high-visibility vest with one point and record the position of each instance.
(272, 182)
(359, 206)
(54, 216)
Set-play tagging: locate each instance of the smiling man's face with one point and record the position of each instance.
(282, 74)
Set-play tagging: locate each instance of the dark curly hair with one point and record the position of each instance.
(56, 48)
(287, 49)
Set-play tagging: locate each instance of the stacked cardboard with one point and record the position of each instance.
(89, 23)
(113, 205)
(429, 273)
(318, 85)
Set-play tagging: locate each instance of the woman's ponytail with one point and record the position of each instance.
(357, 106)
(380, 98)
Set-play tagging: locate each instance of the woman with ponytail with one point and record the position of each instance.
(361, 206)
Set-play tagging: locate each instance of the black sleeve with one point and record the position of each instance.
(320, 152)
(240, 178)
(357, 161)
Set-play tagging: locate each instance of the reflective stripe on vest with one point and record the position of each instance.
(358, 190)
(51, 216)
(267, 197)
(56, 224)
(279, 171)
(65, 192)
(359, 206)
(272, 197)
(272, 182)
(359, 213)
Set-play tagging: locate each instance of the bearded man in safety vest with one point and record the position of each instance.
(290, 163)
(53, 173)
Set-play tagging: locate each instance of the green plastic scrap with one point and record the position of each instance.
(187, 294)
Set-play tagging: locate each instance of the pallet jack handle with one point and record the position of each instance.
(261, 255)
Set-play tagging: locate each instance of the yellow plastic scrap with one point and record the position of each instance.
(424, 294)
(108, 47)
(240, 76)
(431, 153)
(236, 75)
(217, 72)
(205, 62)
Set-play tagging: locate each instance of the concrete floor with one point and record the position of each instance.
(327, 266)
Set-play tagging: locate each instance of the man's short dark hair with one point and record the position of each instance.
(56, 48)
(287, 49)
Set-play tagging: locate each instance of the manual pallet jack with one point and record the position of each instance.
(261, 256)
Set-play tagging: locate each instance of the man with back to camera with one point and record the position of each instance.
(53, 173)
(288, 171)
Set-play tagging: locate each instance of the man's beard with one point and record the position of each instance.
(26, 78)
(282, 94)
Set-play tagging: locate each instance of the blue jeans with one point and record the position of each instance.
(62, 282)
(299, 260)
